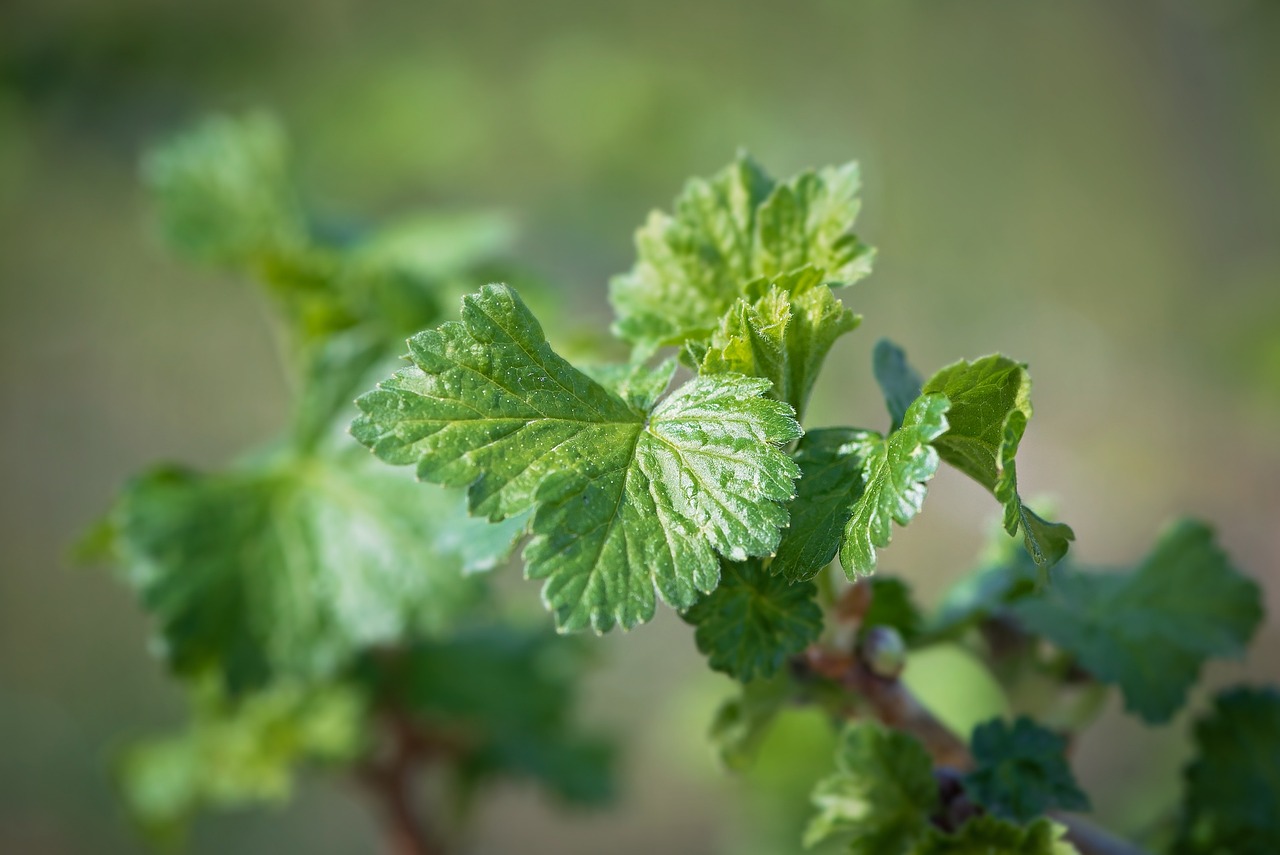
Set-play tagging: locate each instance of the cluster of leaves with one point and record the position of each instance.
(282, 586)
(307, 593)
(713, 498)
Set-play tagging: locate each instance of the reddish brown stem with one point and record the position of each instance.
(892, 704)
(389, 779)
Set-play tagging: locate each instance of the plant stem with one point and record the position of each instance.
(390, 781)
(893, 705)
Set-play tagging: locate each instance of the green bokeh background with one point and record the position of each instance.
(1093, 187)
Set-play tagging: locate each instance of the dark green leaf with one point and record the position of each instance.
(892, 606)
(1150, 630)
(751, 623)
(1021, 771)
(1231, 805)
(898, 380)
(624, 500)
(830, 461)
(504, 698)
(881, 797)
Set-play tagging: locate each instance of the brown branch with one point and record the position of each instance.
(892, 704)
(389, 779)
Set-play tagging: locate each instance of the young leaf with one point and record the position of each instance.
(1021, 771)
(895, 471)
(898, 381)
(987, 835)
(1232, 798)
(624, 500)
(830, 461)
(1150, 630)
(509, 694)
(728, 232)
(783, 337)
(882, 795)
(237, 753)
(224, 192)
(287, 568)
(751, 623)
(990, 405)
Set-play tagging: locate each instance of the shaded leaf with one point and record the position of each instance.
(1150, 630)
(1021, 771)
(751, 623)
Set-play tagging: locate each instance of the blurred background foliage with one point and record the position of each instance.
(1092, 187)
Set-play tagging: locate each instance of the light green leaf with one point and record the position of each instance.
(830, 461)
(743, 721)
(286, 568)
(223, 190)
(882, 795)
(1021, 771)
(237, 753)
(1150, 630)
(623, 500)
(783, 337)
(895, 471)
(1232, 791)
(898, 381)
(990, 406)
(728, 232)
(751, 623)
(987, 835)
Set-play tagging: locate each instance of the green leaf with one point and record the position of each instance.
(987, 835)
(783, 337)
(624, 500)
(236, 754)
(636, 383)
(751, 623)
(1006, 573)
(223, 190)
(830, 461)
(743, 721)
(895, 471)
(1021, 771)
(1150, 630)
(728, 232)
(898, 380)
(882, 795)
(289, 567)
(511, 711)
(892, 606)
(1231, 803)
(990, 406)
